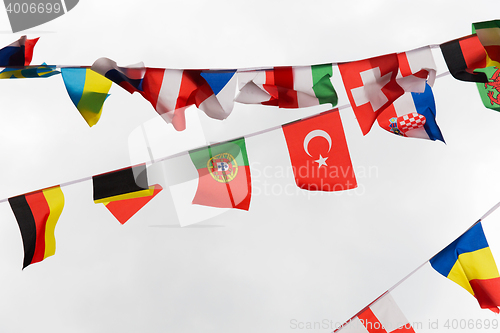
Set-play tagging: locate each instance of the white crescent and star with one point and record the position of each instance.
(313, 134)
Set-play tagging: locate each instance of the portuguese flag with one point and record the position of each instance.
(224, 175)
(37, 214)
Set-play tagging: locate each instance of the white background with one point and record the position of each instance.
(296, 257)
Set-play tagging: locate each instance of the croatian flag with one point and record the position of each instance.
(412, 115)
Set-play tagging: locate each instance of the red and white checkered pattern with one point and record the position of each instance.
(383, 316)
(410, 121)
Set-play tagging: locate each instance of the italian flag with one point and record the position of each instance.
(224, 175)
(288, 87)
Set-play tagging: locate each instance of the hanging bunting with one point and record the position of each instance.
(468, 261)
(87, 90)
(37, 214)
(19, 53)
(124, 192)
(412, 115)
(288, 87)
(223, 175)
(383, 315)
(319, 153)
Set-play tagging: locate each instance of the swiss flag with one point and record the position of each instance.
(319, 153)
(371, 86)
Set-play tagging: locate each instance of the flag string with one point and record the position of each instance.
(164, 158)
(488, 213)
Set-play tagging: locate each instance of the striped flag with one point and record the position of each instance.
(468, 261)
(171, 91)
(412, 115)
(462, 56)
(125, 191)
(288, 87)
(28, 72)
(37, 214)
(19, 53)
(129, 77)
(489, 35)
(382, 316)
(87, 90)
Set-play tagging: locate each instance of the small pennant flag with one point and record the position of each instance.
(224, 175)
(412, 115)
(463, 56)
(124, 192)
(19, 53)
(319, 153)
(468, 261)
(288, 87)
(87, 90)
(382, 316)
(28, 72)
(489, 35)
(37, 214)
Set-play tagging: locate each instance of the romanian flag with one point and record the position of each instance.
(88, 90)
(469, 262)
(224, 175)
(124, 192)
(463, 56)
(37, 214)
(18, 53)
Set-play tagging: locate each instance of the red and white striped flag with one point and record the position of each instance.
(382, 316)
(288, 87)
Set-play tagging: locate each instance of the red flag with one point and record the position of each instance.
(319, 154)
(371, 87)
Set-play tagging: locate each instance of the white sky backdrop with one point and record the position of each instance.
(295, 256)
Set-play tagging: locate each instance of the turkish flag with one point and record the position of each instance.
(371, 87)
(319, 154)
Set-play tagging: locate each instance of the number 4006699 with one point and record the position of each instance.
(33, 8)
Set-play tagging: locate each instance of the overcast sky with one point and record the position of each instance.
(296, 256)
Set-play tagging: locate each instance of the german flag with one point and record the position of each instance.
(125, 191)
(462, 56)
(37, 214)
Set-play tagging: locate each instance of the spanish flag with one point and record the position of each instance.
(468, 261)
(37, 214)
(125, 191)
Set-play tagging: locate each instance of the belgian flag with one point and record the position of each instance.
(125, 191)
(462, 56)
(37, 214)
